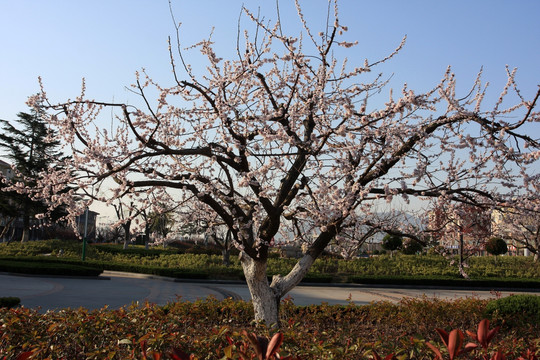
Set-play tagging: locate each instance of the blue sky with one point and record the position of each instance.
(106, 41)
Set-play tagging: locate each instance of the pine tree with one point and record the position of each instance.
(29, 145)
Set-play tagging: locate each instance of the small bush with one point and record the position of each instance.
(515, 308)
(9, 302)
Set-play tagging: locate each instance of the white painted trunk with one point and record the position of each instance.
(25, 235)
(462, 272)
(265, 300)
(265, 297)
(285, 284)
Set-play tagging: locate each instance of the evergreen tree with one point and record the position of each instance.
(496, 246)
(31, 147)
(8, 211)
(392, 242)
(411, 247)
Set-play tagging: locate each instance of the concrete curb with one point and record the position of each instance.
(110, 273)
(99, 277)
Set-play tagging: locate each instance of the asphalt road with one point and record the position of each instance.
(116, 290)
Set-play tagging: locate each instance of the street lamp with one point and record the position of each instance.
(85, 233)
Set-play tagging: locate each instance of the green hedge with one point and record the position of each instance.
(9, 302)
(33, 267)
(515, 308)
(447, 281)
(138, 250)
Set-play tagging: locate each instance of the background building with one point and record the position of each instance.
(465, 225)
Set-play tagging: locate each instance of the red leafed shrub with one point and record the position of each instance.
(212, 329)
(454, 345)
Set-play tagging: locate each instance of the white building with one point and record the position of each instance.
(6, 170)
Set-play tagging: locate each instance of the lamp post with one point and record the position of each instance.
(85, 233)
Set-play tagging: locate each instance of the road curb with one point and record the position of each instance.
(111, 273)
(99, 277)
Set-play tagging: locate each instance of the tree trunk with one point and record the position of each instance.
(127, 234)
(225, 244)
(146, 236)
(265, 300)
(460, 251)
(126, 241)
(26, 229)
(461, 267)
(536, 251)
(226, 256)
(5, 230)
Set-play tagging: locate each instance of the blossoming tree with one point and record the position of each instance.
(288, 135)
(520, 226)
(460, 228)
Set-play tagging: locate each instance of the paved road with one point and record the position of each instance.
(112, 290)
(120, 289)
(361, 295)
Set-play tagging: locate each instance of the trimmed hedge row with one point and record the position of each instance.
(9, 302)
(447, 281)
(46, 265)
(24, 266)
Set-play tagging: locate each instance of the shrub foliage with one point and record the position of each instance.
(211, 329)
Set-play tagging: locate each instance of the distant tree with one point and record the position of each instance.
(496, 246)
(33, 148)
(392, 242)
(200, 220)
(351, 239)
(411, 247)
(158, 215)
(522, 226)
(108, 233)
(125, 214)
(161, 222)
(461, 227)
(8, 211)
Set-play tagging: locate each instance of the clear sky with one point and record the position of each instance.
(106, 41)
